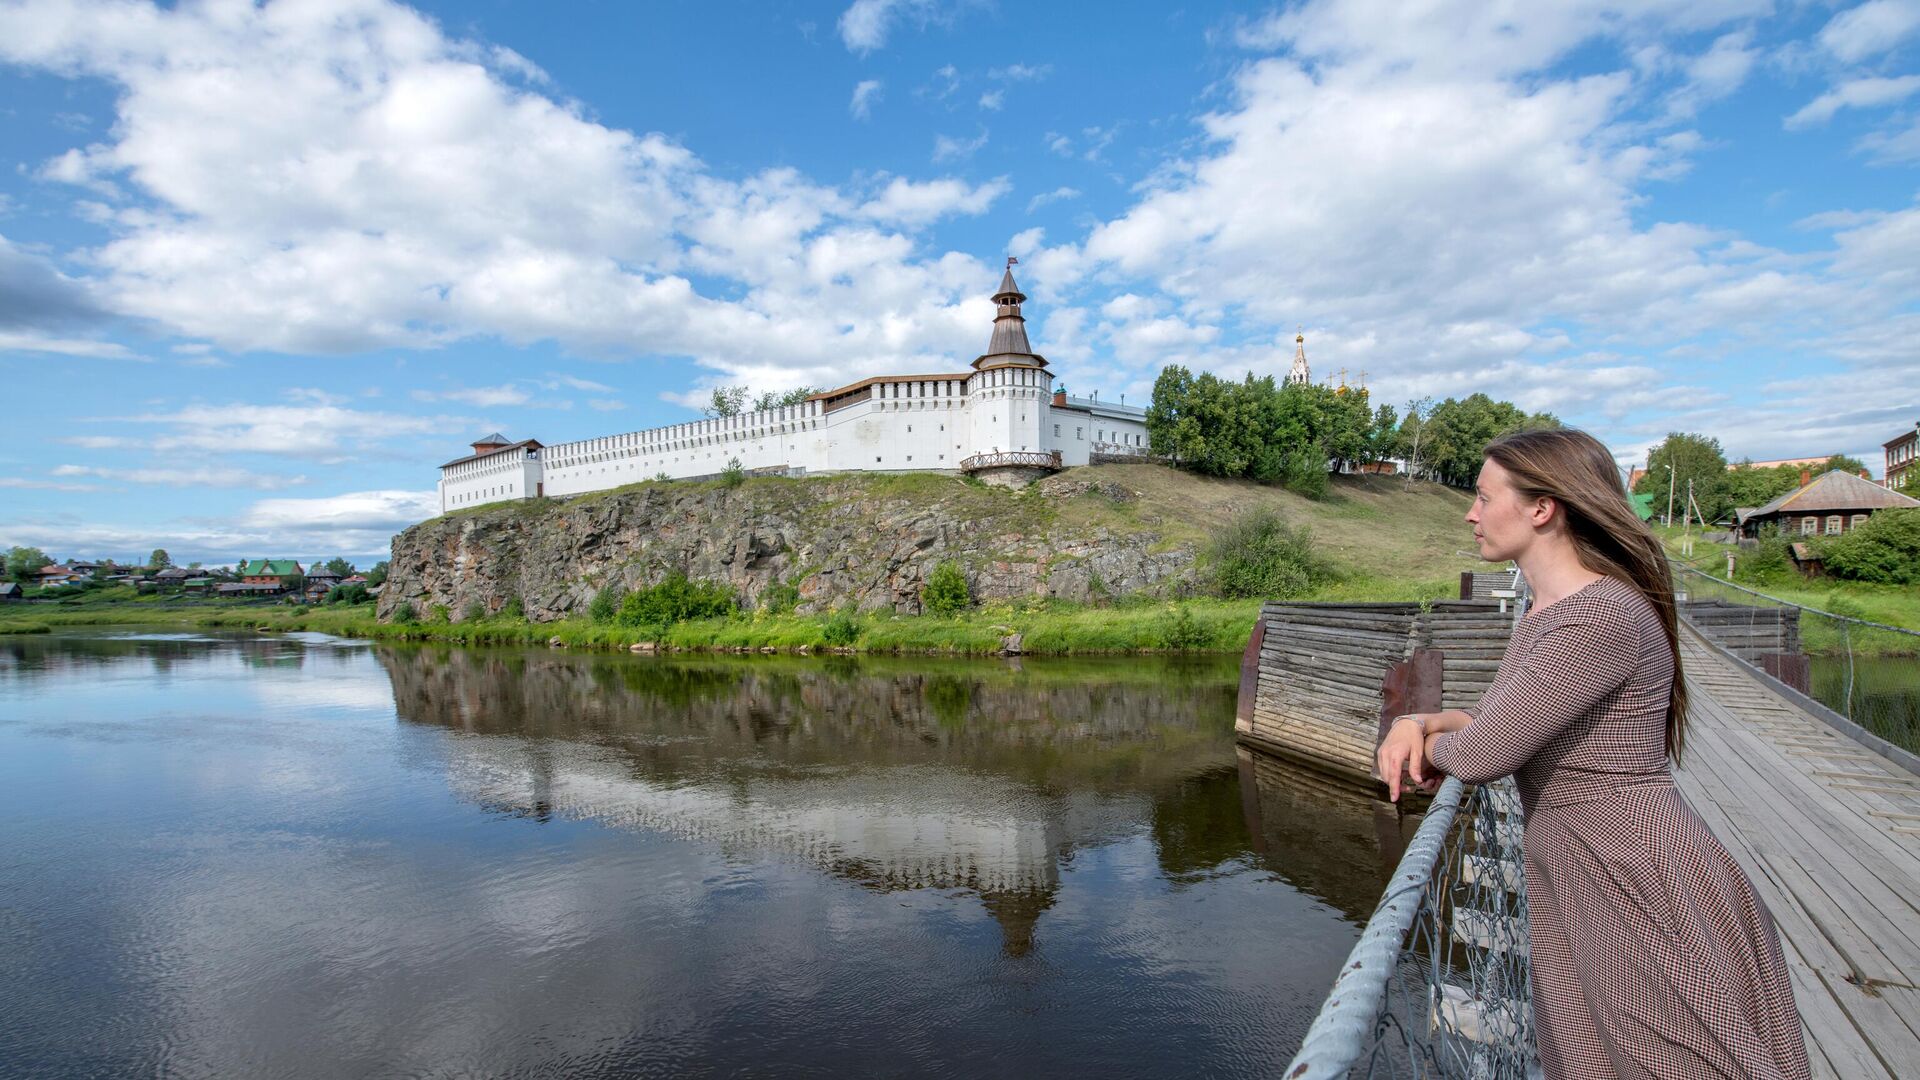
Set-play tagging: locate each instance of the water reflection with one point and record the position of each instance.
(981, 777)
(296, 856)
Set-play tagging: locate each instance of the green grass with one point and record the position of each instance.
(1894, 605)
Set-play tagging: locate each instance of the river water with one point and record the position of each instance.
(289, 856)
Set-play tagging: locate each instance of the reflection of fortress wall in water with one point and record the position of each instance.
(952, 790)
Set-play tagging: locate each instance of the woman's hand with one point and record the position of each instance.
(1403, 751)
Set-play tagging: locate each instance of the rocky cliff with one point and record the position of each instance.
(869, 541)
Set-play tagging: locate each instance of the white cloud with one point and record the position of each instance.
(316, 185)
(949, 147)
(865, 93)
(358, 525)
(392, 510)
(1059, 194)
(606, 405)
(866, 24)
(18, 341)
(904, 201)
(992, 100)
(44, 485)
(1021, 72)
(1872, 28)
(327, 433)
(573, 382)
(1854, 94)
(205, 477)
(480, 397)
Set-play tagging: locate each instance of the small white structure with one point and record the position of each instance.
(1002, 420)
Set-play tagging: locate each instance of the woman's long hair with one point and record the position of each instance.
(1574, 470)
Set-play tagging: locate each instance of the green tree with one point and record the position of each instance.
(726, 401)
(770, 400)
(1747, 486)
(378, 575)
(159, 560)
(734, 474)
(1172, 429)
(1843, 463)
(24, 563)
(337, 565)
(1682, 457)
(945, 592)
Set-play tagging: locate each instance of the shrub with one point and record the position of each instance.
(1884, 549)
(734, 474)
(1766, 560)
(442, 614)
(840, 629)
(780, 598)
(1178, 629)
(404, 615)
(513, 609)
(1259, 557)
(945, 592)
(673, 600)
(475, 612)
(348, 594)
(605, 606)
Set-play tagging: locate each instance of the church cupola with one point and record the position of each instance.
(1299, 376)
(1009, 344)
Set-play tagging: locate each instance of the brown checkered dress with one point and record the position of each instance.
(1652, 957)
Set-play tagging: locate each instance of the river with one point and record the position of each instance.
(291, 856)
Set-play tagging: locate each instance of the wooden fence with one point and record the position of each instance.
(1319, 680)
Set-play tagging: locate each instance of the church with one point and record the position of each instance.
(1002, 420)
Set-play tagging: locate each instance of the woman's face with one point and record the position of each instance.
(1503, 522)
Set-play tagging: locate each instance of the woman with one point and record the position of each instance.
(1652, 957)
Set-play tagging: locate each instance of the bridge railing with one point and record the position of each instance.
(1861, 668)
(1438, 984)
(1035, 459)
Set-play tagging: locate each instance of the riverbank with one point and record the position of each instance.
(1046, 627)
(1892, 605)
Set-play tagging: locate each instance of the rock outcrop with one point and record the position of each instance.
(866, 541)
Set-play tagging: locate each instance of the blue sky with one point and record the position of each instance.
(263, 267)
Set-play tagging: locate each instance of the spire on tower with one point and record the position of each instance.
(1299, 376)
(1009, 326)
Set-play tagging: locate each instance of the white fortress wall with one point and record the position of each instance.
(509, 474)
(891, 423)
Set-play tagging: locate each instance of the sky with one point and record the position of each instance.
(263, 267)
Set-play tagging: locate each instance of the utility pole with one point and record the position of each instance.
(1669, 496)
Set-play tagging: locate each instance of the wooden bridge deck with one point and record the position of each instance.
(1829, 831)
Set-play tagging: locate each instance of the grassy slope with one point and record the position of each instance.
(1390, 543)
(1894, 605)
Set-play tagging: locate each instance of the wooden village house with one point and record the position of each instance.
(1828, 505)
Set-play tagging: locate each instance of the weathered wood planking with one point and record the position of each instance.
(1825, 853)
(1324, 672)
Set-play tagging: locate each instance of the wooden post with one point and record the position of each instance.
(1249, 677)
(1410, 686)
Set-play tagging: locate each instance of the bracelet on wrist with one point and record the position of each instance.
(1419, 722)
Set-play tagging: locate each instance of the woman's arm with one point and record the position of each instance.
(1570, 670)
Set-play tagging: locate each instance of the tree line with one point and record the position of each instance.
(1295, 434)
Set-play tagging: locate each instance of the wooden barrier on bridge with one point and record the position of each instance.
(1319, 680)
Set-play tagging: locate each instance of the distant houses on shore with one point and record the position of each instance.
(249, 578)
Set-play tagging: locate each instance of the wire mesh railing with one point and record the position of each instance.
(1862, 669)
(1438, 984)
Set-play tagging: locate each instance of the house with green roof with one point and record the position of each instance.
(268, 571)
